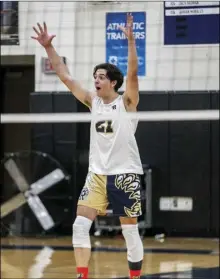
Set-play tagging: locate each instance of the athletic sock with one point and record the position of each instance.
(135, 274)
(82, 272)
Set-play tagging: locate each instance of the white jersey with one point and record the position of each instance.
(113, 147)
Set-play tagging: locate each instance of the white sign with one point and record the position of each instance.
(170, 4)
(176, 204)
(194, 11)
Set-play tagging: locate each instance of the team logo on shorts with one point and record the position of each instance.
(130, 183)
(88, 187)
(84, 193)
(90, 181)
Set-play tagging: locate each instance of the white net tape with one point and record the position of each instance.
(175, 115)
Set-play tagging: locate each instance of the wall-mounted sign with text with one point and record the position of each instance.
(47, 68)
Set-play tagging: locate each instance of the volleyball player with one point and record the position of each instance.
(114, 161)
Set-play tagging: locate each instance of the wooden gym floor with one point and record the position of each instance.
(53, 258)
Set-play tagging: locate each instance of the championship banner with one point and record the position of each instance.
(9, 23)
(117, 43)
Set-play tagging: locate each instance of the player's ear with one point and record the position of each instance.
(113, 83)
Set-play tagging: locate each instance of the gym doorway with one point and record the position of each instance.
(18, 81)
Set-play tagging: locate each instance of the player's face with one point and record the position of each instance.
(102, 83)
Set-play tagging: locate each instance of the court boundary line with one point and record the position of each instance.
(113, 249)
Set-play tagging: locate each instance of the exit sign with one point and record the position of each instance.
(47, 67)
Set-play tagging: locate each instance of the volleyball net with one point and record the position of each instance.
(175, 115)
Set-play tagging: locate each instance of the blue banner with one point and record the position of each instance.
(117, 43)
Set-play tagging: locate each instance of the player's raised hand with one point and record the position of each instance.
(42, 35)
(128, 30)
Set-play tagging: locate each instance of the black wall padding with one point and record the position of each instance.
(42, 133)
(64, 133)
(153, 143)
(215, 182)
(190, 163)
(83, 139)
(59, 140)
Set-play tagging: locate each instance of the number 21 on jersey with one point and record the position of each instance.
(104, 127)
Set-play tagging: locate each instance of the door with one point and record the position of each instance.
(17, 84)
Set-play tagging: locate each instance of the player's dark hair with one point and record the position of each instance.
(112, 72)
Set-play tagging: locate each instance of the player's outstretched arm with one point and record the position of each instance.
(59, 66)
(131, 94)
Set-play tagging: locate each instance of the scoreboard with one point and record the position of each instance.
(191, 22)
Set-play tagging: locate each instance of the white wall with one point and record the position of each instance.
(168, 67)
(80, 30)
(60, 18)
